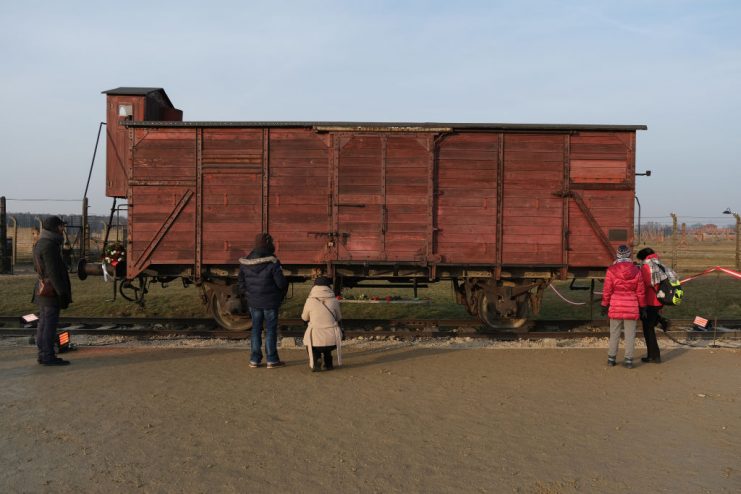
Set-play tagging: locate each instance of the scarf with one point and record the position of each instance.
(657, 273)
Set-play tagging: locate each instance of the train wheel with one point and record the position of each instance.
(489, 315)
(223, 311)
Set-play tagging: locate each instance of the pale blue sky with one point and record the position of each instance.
(672, 65)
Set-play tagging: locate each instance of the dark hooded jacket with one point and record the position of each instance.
(48, 254)
(261, 280)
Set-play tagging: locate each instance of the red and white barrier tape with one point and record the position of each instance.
(730, 272)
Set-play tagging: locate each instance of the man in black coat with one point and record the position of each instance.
(50, 266)
(262, 283)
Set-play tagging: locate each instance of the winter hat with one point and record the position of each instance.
(644, 253)
(263, 240)
(623, 252)
(322, 281)
(52, 223)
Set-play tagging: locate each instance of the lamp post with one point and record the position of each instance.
(738, 235)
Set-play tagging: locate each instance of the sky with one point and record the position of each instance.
(672, 65)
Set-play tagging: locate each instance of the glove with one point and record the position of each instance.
(605, 309)
(643, 312)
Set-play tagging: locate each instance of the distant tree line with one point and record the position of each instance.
(74, 221)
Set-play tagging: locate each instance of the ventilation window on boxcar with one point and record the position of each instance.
(125, 110)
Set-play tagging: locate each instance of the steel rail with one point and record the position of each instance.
(357, 328)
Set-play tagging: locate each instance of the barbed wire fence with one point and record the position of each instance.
(693, 242)
(688, 242)
(21, 231)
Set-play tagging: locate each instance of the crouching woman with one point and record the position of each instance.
(323, 334)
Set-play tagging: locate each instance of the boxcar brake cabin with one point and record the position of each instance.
(501, 210)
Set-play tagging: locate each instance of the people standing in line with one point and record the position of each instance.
(262, 283)
(324, 332)
(53, 290)
(652, 275)
(622, 300)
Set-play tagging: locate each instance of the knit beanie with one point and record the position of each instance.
(623, 252)
(322, 281)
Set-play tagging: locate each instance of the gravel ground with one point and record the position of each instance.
(459, 415)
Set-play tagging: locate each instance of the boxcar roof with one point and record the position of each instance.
(394, 126)
(139, 91)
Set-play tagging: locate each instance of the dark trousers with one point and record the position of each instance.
(318, 351)
(649, 331)
(46, 331)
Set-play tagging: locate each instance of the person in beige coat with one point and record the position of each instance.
(323, 334)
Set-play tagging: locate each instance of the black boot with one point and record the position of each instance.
(328, 361)
(664, 323)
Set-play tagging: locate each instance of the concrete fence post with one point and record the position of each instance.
(738, 241)
(3, 238)
(674, 240)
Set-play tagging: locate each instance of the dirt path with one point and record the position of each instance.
(396, 418)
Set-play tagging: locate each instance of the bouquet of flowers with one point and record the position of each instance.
(114, 253)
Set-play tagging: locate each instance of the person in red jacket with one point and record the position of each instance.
(622, 299)
(652, 316)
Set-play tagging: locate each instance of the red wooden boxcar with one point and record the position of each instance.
(499, 209)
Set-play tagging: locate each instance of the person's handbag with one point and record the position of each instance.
(338, 321)
(44, 288)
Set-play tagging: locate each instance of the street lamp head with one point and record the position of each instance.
(728, 211)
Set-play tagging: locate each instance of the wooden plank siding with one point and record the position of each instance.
(467, 198)
(533, 211)
(407, 189)
(118, 146)
(360, 197)
(231, 197)
(601, 158)
(298, 200)
(367, 196)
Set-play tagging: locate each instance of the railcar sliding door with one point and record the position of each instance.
(384, 196)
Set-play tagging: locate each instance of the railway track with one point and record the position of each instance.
(358, 328)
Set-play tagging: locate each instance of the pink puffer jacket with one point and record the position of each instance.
(624, 291)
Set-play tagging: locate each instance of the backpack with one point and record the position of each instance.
(670, 289)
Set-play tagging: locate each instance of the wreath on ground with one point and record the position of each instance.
(114, 253)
